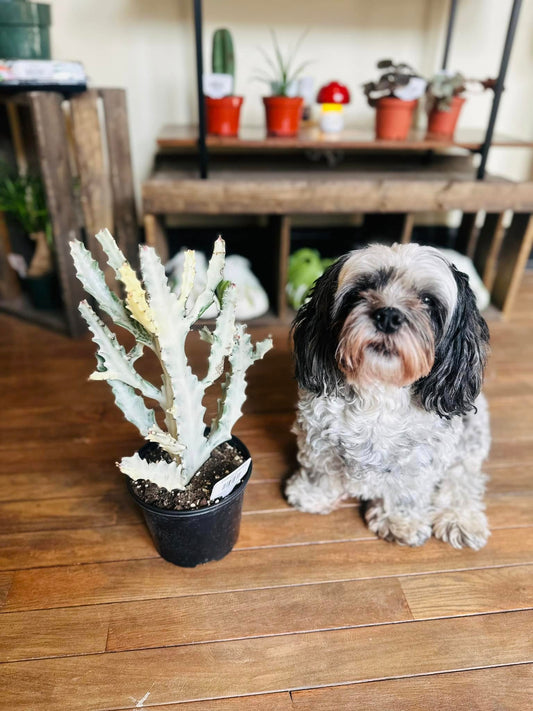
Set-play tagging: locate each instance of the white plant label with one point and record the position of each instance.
(216, 86)
(225, 486)
(413, 90)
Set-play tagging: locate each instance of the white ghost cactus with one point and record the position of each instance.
(161, 320)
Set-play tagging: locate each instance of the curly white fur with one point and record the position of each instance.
(418, 471)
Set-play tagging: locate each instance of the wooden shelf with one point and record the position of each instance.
(266, 190)
(174, 137)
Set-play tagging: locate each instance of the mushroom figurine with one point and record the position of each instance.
(332, 96)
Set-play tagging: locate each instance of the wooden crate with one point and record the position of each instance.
(81, 148)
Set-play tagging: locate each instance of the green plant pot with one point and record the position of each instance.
(24, 30)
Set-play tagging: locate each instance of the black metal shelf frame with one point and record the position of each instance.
(498, 89)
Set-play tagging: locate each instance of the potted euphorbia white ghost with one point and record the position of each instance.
(188, 478)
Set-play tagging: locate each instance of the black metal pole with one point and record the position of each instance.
(202, 147)
(498, 89)
(449, 33)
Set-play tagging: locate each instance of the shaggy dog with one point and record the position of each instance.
(390, 350)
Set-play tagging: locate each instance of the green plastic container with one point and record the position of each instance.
(24, 30)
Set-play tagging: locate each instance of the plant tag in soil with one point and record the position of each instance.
(216, 86)
(225, 486)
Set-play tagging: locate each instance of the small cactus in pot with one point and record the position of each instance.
(223, 54)
(222, 106)
(160, 321)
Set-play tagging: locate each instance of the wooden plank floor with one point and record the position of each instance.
(308, 612)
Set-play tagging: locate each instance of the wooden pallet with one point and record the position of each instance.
(80, 146)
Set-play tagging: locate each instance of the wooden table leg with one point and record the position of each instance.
(488, 247)
(407, 228)
(515, 251)
(155, 235)
(466, 235)
(281, 225)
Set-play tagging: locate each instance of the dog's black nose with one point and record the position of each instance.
(388, 319)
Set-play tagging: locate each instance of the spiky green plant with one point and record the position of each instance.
(160, 321)
(281, 71)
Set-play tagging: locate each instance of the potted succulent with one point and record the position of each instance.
(188, 479)
(223, 108)
(444, 101)
(23, 197)
(394, 96)
(283, 108)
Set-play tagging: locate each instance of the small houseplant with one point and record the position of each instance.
(445, 99)
(283, 108)
(23, 197)
(172, 469)
(394, 96)
(223, 112)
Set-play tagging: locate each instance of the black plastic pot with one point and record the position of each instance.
(43, 291)
(190, 538)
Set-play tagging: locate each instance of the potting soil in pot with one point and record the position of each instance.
(223, 460)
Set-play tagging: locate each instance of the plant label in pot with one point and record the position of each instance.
(216, 86)
(411, 91)
(180, 447)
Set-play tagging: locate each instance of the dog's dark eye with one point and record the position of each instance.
(428, 300)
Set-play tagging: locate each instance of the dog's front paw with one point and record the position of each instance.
(464, 528)
(308, 496)
(407, 531)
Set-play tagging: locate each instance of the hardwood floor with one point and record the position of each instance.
(307, 613)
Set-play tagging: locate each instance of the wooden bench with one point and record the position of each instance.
(499, 253)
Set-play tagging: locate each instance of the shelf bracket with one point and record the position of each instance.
(202, 146)
(498, 89)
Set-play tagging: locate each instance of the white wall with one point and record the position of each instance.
(147, 47)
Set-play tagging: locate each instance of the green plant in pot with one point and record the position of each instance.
(283, 109)
(445, 99)
(180, 479)
(23, 198)
(222, 106)
(394, 96)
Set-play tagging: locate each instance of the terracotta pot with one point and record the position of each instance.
(394, 118)
(443, 123)
(283, 114)
(222, 115)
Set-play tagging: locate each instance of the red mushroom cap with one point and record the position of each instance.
(333, 93)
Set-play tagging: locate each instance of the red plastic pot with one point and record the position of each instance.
(222, 115)
(443, 123)
(283, 114)
(394, 118)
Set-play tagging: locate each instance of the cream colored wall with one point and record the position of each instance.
(147, 47)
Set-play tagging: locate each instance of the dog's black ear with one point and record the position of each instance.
(455, 380)
(315, 340)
